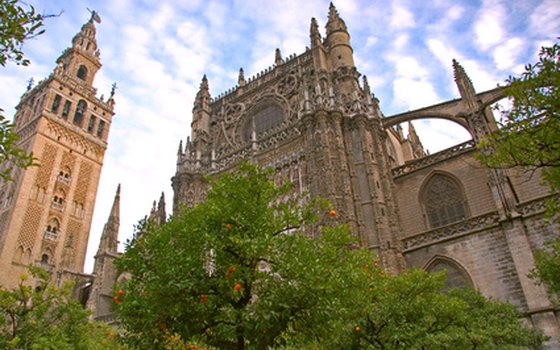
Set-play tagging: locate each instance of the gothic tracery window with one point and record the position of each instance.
(443, 201)
(457, 277)
(265, 118)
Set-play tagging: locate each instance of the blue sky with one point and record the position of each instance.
(157, 52)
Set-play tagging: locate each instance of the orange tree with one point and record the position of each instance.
(239, 271)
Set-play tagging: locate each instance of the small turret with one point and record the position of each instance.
(464, 83)
(314, 35)
(158, 214)
(320, 59)
(277, 57)
(415, 143)
(338, 41)
(201, 114)
(241, 78)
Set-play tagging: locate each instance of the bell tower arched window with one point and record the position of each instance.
(80, 112)
(82, 72)
(59, 200)
(443, 200)
(52, 230)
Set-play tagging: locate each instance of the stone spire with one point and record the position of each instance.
(415, 143)
(203, 94)
(180, 152)
(335, 23)
(241, 78)
(100, 301)
(367, 89)
(201, 113)
(314, 35)
(277, 57)
(158, 214)
(464, 83)
(110, 235)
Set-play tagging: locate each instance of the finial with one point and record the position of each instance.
(314, 34)
(241, 78)
(367, 90)
(113, 88)
(464, 84)
(278, 57)
(118, 190)
(334, 22)
(30, 83)
(204, 83)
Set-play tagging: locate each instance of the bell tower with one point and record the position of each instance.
(46, 211)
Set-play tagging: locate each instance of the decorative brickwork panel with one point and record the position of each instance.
(47, 163)
(84, 179)
(73, 230)
(30, 226)
(68, 161)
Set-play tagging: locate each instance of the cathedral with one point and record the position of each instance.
(313, 118)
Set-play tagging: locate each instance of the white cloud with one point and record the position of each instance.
(488, 28)
(545, 19)
(401, 17)
(413, 93)
(371, 41)
(506, 55)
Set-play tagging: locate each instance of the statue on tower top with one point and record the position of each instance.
(94, 16)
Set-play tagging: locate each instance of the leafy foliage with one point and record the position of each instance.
(409, 311)
(17, 24)
(241, 271)
(529, 136)
(547, 266)
(228, 273)
(10, 154)
(46, 317)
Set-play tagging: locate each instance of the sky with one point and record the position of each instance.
(157, 52)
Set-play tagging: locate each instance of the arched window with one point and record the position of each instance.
(457, 276)
(80, 111)
(265, 117)
(64, 176)
(82, 72)
(53, 230)
(59, 199)
(443, 201)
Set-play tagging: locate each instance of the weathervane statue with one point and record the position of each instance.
(94, 16)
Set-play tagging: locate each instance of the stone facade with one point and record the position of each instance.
(313, 120)
(46, 211)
